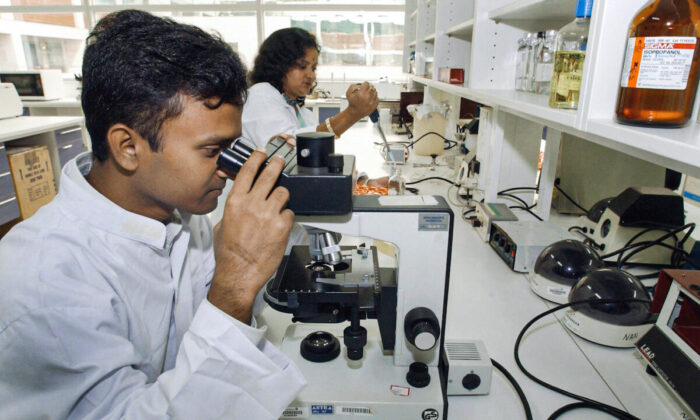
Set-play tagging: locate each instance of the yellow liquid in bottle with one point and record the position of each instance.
(566, 79)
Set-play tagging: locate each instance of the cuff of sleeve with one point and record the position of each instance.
(213, 320)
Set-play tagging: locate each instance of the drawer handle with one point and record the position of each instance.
(72, 130)
(7, 201)
(67, 146)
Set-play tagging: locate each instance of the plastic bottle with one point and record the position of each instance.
(397, 185)
(544, 63)
(570, 53)
(660, 72)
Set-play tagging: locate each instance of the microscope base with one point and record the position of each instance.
(370, 388)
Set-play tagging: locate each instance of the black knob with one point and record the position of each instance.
(418, 375)
(471, 381)
(421, 328)
(335, 163)
(355, 340)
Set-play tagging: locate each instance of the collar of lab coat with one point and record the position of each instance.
(97, 210)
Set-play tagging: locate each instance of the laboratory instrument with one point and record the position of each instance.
(560, 266)
(618, 324)
(390, 368)
(10, 103)
(487, 213)
(519, 243)
(671, 348)
(468, 367)
(46, 84)
(319, 181)
(641, 214)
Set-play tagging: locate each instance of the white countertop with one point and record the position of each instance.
(53, 103)
(488, 301)
(19, 127)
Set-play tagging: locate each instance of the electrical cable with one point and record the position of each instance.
(518, 188)
(527, 210)
(429, 178)
(660, 239)
(616, 412)
(574, 406)
(568, 197)
(436, 134)
(514, 197)
(521, 394)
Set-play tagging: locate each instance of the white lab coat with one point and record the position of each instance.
(266, 114)
(103, 315)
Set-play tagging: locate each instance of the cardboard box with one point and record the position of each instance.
(33, 177)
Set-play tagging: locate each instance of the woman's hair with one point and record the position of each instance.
(137, 67)
(280, 52)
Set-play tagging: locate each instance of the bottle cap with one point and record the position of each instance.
(584, 8)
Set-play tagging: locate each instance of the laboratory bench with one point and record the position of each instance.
(489, 302)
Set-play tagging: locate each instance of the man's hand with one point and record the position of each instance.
(250, 240)
(287, 138)
(362, 99)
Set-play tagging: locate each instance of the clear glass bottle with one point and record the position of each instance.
(397, 185)
(544, 63)
(537, 42)
(660, 72)
(570, 53)
(521, 59)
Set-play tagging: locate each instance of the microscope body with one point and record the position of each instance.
(408, 301)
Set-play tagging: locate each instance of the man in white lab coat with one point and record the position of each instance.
(117, 300)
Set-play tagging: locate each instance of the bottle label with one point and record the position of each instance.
(568, 66)
(661, 62)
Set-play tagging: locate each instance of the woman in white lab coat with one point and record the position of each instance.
(283, 74)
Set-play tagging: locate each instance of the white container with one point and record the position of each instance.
(428, 119)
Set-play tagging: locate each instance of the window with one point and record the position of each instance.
(361, 39)
(354, 45)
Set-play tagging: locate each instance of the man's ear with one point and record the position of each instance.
(124, 146)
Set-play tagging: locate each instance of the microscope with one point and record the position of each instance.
(393, 368)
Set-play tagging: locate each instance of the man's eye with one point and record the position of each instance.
(212, 151)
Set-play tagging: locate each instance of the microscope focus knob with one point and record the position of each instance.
(418, 375)
(422, 328)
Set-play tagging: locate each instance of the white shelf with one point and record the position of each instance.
(536, 15)
(412, 44)
(677, 148)
(663, 146)
(462, 31)
(430, 38)
(528, 105)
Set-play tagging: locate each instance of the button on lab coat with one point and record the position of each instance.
(103, 315)
(266, 114)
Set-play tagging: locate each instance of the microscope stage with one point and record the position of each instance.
(372, 386)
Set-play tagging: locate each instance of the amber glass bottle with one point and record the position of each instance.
(660, 72)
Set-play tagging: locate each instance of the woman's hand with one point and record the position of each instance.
(362, 99)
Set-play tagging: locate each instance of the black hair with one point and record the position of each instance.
(137, 67)
(280, 52)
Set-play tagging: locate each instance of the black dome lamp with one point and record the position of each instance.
(610, 324)
(560, 266)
